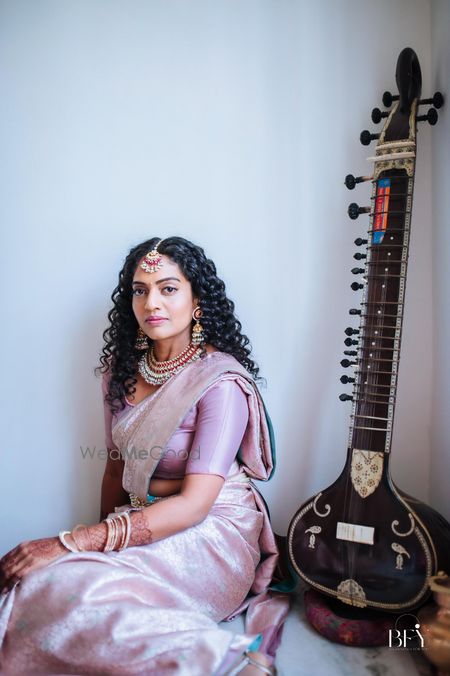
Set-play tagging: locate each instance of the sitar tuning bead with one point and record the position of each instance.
(366, 137)
(437, 100)
(359, 241)
(355, 286)
(431, 117)
(389, 98)
(345, 397)
(377, 115)
(354, 210)
(351, 181)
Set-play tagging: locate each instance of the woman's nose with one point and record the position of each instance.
(152, 301)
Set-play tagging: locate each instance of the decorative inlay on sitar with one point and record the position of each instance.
(363, 540)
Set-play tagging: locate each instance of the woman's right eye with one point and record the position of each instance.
(135, 290)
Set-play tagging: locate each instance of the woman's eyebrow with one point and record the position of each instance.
(165, 279)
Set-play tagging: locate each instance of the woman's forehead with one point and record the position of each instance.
(168, 268)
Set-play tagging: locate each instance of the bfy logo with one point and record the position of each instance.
(406, 633)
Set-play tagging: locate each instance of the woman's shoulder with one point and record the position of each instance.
(210, 349)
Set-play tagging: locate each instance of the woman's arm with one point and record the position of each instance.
(113, 493)
(162, 518)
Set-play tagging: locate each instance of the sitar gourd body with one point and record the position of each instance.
(362, 540)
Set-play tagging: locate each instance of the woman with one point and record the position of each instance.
(185, 539)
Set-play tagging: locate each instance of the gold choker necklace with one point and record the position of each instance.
(157, 372)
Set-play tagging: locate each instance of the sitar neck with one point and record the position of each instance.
(384, 281)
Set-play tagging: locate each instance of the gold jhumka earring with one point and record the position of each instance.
(197, 329)
(141, 340)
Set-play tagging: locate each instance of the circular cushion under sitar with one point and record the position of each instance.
(348, 625)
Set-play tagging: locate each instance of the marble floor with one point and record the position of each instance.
(303, 652)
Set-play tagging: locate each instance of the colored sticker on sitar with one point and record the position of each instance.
(381, 210)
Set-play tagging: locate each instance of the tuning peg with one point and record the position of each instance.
(355, 286)
(388, 99)
(354, 210)
(350, 353)
(359, 256)
(354, 311)
(431, 117)
(345, 363)
(351, 332)
(366, 137)
(437, 101)
(357, 271)
(346, 379)
(359, 241)
(349, 342)
(377, 115)
(345, 397)
(351, 181)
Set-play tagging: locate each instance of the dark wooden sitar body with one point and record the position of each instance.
(362, 540)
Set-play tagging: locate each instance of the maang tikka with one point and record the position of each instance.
(152, 260)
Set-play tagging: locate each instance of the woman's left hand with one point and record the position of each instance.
(28, 556)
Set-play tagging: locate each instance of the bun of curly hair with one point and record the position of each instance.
(221, 328)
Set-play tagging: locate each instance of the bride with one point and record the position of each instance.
(185, 539)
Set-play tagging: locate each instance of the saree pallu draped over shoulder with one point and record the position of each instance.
(155, 608)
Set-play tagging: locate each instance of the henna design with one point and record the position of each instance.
(28, 556)
(140, 532)
(97, 535)
(92, 538)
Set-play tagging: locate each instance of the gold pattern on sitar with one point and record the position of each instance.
(401, 552)
(350, 592)
(316, 511)
(366, 471)
(314, 530)
(395, 523)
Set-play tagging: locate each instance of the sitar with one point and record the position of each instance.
(363, 540)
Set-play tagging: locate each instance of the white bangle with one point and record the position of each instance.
(62, 535)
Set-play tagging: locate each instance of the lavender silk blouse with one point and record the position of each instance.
(208, 438)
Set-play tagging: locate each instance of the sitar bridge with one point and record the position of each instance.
(355, 533)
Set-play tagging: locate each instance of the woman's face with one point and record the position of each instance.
(165, 293)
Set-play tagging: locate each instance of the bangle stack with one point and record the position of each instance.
(119, 533)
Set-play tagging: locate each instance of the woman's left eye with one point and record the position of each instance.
(170, 287)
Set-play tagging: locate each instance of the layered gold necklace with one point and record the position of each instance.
(157, 372)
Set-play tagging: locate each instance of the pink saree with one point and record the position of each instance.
(155, 608)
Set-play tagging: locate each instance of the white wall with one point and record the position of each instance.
(440, 456)
(232, 124)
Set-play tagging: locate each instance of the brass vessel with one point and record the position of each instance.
(435, 624)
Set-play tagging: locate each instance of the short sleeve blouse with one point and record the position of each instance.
(208, 438)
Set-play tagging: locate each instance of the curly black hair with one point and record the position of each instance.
(221, 328)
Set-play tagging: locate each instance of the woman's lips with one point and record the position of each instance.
(155, 322)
